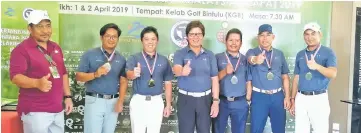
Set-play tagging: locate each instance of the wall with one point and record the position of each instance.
(342, 43)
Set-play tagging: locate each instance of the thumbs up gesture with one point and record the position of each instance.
(261, 57)
(44, 84)
(229, 68)
(187, 69)
(312, 63)
(137, 70)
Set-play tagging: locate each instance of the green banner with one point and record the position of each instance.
(81, 21)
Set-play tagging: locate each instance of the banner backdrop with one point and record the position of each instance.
(80, 22)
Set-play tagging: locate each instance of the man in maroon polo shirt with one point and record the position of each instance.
(37, 68)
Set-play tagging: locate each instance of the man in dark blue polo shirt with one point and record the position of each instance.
(149, 70)
(196, 69)
(235, 85)
(269, 71)
(314, 68)
(103, 71)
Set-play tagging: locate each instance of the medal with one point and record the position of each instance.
(151, 82)
(270, 76)
(109, 59)
(107, 66)
(234, 79)
(308, 76)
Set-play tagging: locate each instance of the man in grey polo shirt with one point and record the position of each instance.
(269, 71)
(196, 69)
(314, 67)
(103, 71)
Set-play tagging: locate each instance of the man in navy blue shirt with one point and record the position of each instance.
(269, 72)
(196, 69)
(314, 68)
(235, 85)
(103, 71)
(148, 70)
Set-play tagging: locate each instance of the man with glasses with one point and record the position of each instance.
(103, 71)
(197, 72)
(37, 68)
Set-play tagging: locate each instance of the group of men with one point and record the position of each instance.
(212, 87)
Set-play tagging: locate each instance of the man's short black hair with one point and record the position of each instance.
(234, 30)
(109, 26)
(148, 30)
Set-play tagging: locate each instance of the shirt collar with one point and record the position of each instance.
(229, 55)
(149, 56)
(189, 49)
(314, 49)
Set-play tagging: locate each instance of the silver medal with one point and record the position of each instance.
(234, 79)
(107, 66)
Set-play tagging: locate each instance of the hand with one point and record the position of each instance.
(312, 63)
(137, 70)
(101, 71)
(287, 103)
(118, 107)
(292, 109)
(167, 111)
(214, 109)
(229, 68)
(68, 105)
(44, 84)
(187, 69)
(260, 58)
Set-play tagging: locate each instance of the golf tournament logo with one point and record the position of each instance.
(221, 34)
(26, 13)
(178, 33)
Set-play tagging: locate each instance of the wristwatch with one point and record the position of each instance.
(67, 96)
(215, 99)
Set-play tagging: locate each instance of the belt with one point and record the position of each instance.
(195, 94)
(312, 92)
(231, 99)
(102, 95)
(267, 91)
(148, 97)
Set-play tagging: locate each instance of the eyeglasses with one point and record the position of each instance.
(111, 37)
(195, 34)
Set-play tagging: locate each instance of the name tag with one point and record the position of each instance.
(54, 72)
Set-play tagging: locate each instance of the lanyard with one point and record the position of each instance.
(47, 57)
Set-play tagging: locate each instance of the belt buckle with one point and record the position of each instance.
(230, 99)
(269, 92)
(148, 98)
(107, 96)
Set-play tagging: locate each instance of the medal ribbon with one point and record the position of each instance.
(111, 55)
(151, 70)
(314, 54)
(269, 63)
(229, 61)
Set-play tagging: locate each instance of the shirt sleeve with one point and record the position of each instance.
(297, 66)
(331, 60)
(84, 64)
(62, 57)
(285, 69)
(131, 63)
(214, 68)
(248, 71)
(18, 62)
(178, 58)
(168, 75)
(122, 71)
(250, 53)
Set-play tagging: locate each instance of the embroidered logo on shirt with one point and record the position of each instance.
(56, 51)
